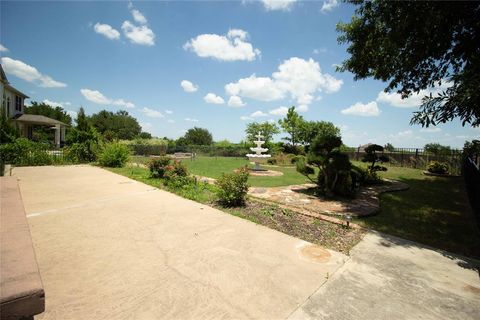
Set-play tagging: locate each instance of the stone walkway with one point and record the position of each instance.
(297, 198)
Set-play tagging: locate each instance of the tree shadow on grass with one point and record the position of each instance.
(434, 211)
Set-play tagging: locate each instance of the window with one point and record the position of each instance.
(18, 103)
(8, 104)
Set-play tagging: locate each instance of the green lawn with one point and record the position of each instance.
(213, 167)
(433, 211)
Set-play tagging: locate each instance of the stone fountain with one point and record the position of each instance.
(258, 157)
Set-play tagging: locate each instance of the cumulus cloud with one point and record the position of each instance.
(29, 73)
(281, 111)
(170, 121)
(329, 5)
(107, 31)
(302, 108)
(232, 47)
(97, 97)
(151, 113)
(402, 135)
(235, 102)
(138, 16)
(258, 114)
(3, 49)
(364, 110)
(141, 35)
(188, 86)
(296, 77)
(245, 118)
(213, 99)
(284, 5)
(415, 100)
(168, 111)
(191, 120)
(56, 104)
(146, 126)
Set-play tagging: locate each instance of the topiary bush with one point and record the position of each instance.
(437, 167)
(232, 188)
(114, 155)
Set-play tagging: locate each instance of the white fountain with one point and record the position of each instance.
(258, 157)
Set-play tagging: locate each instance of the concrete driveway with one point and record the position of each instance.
(392, 278)
(112, 248)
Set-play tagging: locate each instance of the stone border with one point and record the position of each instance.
(448, 175)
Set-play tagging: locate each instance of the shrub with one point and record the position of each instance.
(372, 156)
(114, 155)
(295, 159)
(232, 188)
(272, 161)
(81, 152)
(23, 152)
(437, 167)
(158, 166)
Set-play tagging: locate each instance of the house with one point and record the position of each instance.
(13, 104)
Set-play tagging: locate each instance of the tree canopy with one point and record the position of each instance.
(414, 45)
(118, 125)
(197, 136)
(267, 129)
(308, 130)
(291, 124)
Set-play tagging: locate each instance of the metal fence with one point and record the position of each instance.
(471, 174)
(416, 158)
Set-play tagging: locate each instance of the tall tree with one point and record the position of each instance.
(198, 136)
(120, 125)
(310, 129)
(291, 124)
(44, 109)
(266, 129)
(416, 44)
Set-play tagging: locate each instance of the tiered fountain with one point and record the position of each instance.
(258, 157)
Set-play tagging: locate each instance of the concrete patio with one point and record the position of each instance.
(112, 248)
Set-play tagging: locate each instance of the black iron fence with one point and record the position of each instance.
(416, 158)
(471, 174)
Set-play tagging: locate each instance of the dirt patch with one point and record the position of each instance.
(472, 289)
(315, 253)
(311, 229)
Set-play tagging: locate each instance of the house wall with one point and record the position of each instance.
(8, 101)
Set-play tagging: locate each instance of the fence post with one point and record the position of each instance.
(416, 158)
(402, 158)
(358, 153)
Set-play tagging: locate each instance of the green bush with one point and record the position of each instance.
(114, 155)
(158, 166)
(81, 152)
(23, 152)
(232, 188)
(295, 159)
(272, 161)
(437, 167)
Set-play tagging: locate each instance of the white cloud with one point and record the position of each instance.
(72, 114)
(213, 98)
(142, 35)
(188, 86)
(302, 108)
(415, 100)
(365, 110)
(284, 5)
(97, 97)
(258, 88)
(281, 111)
(152, 113)
(402, 135)
(235, 102)
(3, 49)
(138, 16)
(231, 47)
(191, 120)
(258, 114)
(296, 77)
(320, 50)
(431, 130)
(170, 121)
(56, 104)
(329, 5)
(107, 31)
(168, 111)
(146, 126)
(245, 118)
(29, 73)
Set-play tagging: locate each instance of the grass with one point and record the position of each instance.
(434, 211)
(213, 167)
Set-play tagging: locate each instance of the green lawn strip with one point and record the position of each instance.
(213, 167)
(434, 211)
(310, 229)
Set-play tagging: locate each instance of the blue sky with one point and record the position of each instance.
(217, 65)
